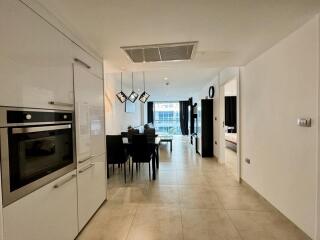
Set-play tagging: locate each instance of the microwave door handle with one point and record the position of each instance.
(40, 129)
(59, 184)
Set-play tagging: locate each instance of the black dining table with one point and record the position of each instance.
(154, 144)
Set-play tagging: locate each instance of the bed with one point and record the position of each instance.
(231, 141)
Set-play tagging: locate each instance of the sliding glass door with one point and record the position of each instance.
(167, 118)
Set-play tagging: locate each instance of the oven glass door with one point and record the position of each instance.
(35, 152)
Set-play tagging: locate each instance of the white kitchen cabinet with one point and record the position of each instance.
(89, 109)
(90, 63)
(91, 188)
(35, 60)
(48, 213)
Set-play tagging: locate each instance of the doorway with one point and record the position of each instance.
(229, 126)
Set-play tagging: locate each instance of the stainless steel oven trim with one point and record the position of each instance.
(9, 197)
(33, 124)
(39, 129)
(3, 116)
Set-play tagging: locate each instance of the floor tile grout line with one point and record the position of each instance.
(229, 217)
(131, 224)
(181, 222)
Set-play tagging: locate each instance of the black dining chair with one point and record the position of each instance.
(116, 153)
(141, 151)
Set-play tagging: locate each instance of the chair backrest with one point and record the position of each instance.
(116, 152)
(151, 133)
(140, 148)
(124, 134)
(131, 132)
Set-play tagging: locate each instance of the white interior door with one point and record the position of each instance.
(221, 126)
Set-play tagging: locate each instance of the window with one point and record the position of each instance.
(167, 118)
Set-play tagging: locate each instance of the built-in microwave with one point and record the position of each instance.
(37, 147)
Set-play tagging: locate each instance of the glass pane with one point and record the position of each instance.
(167, 118)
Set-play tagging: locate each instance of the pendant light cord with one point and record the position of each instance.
(121, 81)
(144, 82)
(132, 82)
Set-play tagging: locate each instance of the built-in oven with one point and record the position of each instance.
(37, 147)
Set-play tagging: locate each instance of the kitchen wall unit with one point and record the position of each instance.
(48, 213)
(43, 68)
(35, 60)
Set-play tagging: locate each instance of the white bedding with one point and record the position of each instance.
(231, 137)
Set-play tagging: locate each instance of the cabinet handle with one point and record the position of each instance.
(88, 158)
(61, 104)
(82, 63)
(59, 184)
(86, 168)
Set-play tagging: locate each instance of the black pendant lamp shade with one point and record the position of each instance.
(120, 95)
(144, 96)
(133, 96)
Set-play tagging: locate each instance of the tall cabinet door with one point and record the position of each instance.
(91, 189)
(90, 137)
(89, 110)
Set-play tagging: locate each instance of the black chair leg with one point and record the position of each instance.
(108, 174)
(132, 171)
(125, 173)
(149, 173)
(113, 168)
(129, 165)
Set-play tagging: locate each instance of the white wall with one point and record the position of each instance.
(276, 88)
(117, 119)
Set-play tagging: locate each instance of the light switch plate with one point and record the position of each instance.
(304, 122)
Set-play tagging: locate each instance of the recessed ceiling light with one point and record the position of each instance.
(165, 78)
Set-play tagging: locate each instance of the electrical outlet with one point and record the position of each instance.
(248, 160)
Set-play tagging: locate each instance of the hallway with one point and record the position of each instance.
(192, 199)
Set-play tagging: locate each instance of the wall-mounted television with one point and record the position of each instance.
(129, 107)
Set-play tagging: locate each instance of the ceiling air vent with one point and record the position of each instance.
(161, 52)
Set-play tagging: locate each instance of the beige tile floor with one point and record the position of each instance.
(192, 199)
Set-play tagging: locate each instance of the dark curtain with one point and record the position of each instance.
(191, 116)
(150, 112)
(184, 117)
(231, 112)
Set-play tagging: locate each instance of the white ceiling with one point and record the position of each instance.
(230, 32)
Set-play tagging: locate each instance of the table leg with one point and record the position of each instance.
(154, 165)
(157, 152)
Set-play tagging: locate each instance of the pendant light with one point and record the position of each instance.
(120, 95)
(144, 96)
(133, 96)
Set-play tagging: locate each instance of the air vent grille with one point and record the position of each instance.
(161, 52)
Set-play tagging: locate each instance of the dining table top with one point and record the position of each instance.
(153, 141)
